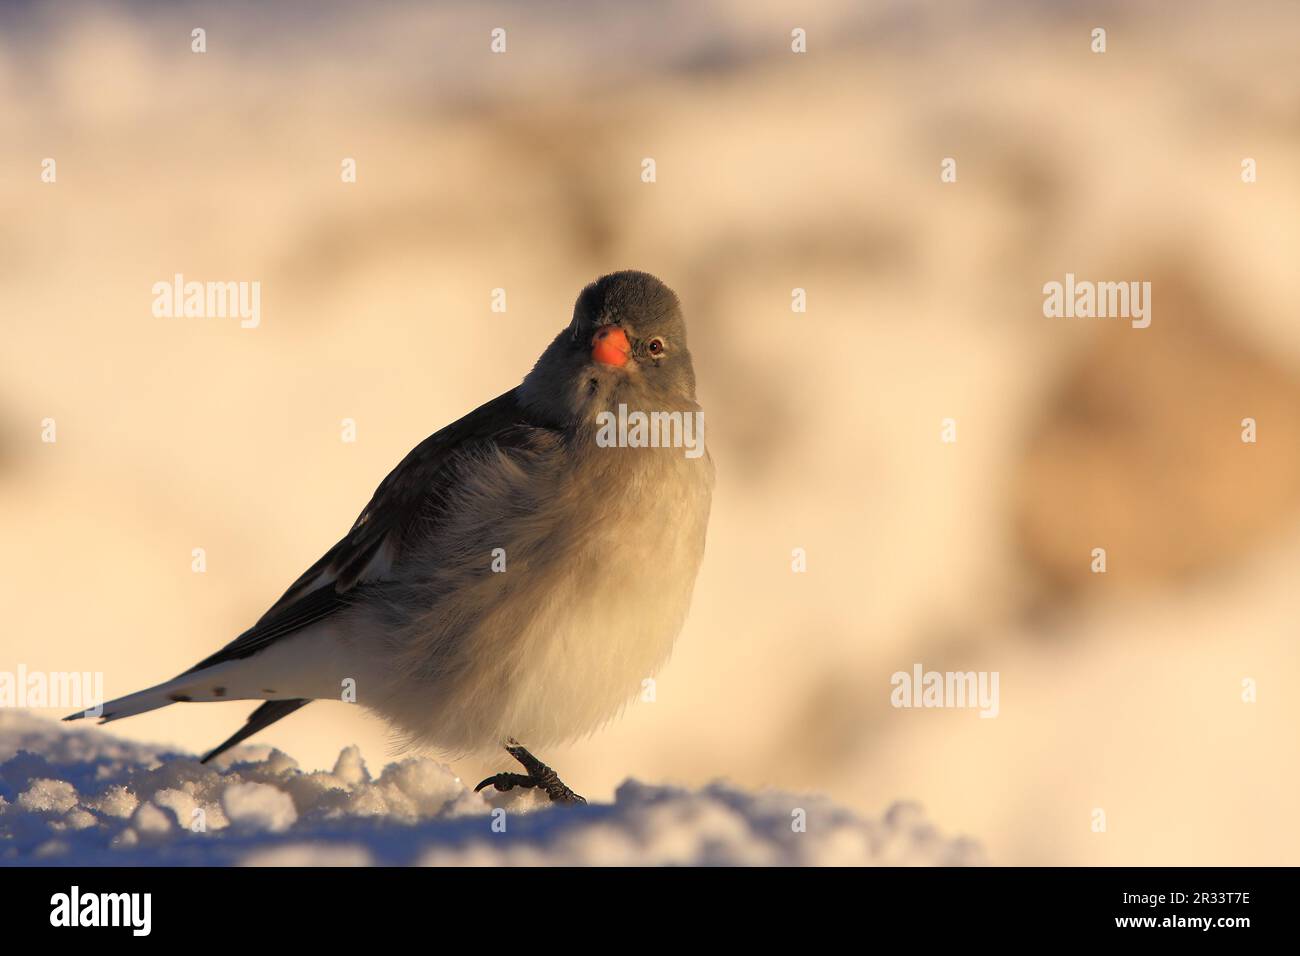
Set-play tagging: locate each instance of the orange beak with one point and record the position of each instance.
(609, 346)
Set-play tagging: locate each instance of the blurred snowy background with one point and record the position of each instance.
(1119, 691)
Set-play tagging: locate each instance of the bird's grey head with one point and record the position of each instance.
(626, 344)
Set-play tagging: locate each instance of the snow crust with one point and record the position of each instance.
(75, 795)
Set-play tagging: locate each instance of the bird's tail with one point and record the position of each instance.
(174, 691)
(189, 688)
(282, 672)
(229, 680)
(286, 675)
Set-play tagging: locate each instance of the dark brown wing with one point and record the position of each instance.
(382, 530)
(260, 719)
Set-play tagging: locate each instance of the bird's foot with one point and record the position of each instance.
(538, 775)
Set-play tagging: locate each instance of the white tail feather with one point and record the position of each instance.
(305, 666)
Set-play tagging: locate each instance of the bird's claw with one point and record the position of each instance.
(507, 781)
(538, 775)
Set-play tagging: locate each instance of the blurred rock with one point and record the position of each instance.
(1141, 450)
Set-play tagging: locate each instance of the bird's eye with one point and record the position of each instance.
(655, 347)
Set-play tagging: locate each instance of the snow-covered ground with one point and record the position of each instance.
(75, 795)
